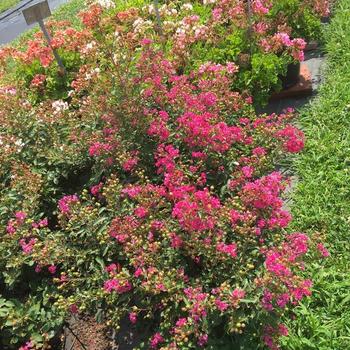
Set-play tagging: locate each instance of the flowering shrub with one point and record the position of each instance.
(144, 190)
(262, 39)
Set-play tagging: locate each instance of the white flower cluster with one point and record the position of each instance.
(207, 2)
(8, 90)
(169, 25)
(164, 10)
(19, 143)
(140, 25)
(59, 106)
(198, 30)
(92, 73)
(187, 7)
(107, 4)
(88, 47)
(11, 143)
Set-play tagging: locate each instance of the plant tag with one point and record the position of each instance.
(37, 12)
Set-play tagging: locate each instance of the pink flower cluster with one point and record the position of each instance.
(156, 340)
(38, 80)
(96, 189)
(323, 250)
(117, 285)
(99, 148)
(64, 204)
(158, 126)
(281, 264)
(201, 131)
(281, 41)
(196, 213)
(198, 302)
(203, 340)
(293, 139)
(28, 346)
(13, 224)
(133, 317)
(271, 335)
(264, 192)
(27, 245)
(230, 249)
(261, 7)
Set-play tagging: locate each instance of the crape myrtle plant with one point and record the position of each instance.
(143, 191)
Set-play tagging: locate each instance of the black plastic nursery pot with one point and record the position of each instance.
(292, 76)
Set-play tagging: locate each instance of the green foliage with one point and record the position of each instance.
(264, 75)
(31, 318)
(308, 26)
(57, 84)
(226, 51)
(303, 20)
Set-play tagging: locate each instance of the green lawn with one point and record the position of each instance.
(322, 198)
(6, 4)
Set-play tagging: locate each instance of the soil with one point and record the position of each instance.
(98, 336)
(86, 331)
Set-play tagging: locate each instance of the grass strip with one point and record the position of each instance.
(322, 198)
(7, 4)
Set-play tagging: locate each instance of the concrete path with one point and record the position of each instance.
(12, 22)
(315, 62)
